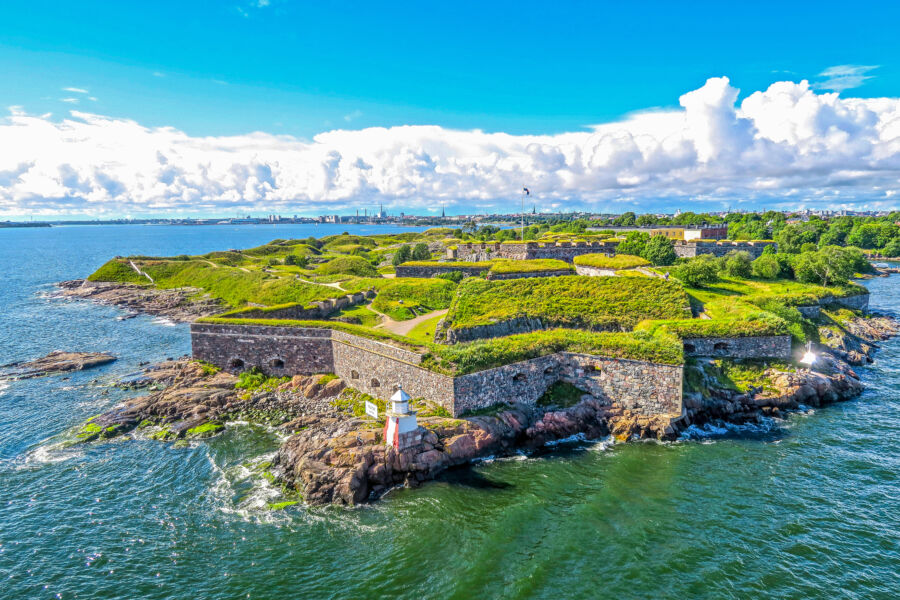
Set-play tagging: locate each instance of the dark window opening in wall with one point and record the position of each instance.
(591, 369)
(720, 347)
(276, 363)
(549, 371)
(375, 383)
(354, 375)
(520, 378)
(236, 363)
(690, 348)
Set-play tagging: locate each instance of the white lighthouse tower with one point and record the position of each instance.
(400, 429)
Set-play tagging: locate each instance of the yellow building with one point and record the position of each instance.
(673, 233)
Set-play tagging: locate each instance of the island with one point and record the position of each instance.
(390, 358)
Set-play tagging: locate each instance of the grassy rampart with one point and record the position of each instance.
(569, 301)
(619, 261)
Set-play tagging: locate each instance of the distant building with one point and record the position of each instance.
(718, 231)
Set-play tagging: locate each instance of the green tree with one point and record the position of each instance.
(634, 243)
(698, 271)
(738, 264)
(831, 265)
(766, 266)
(893, 248)
(402, 255)
(659, 251)
(420, 252)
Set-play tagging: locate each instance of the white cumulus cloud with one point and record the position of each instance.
(787, 145)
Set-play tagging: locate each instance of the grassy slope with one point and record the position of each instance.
(619, 261)
(594, 302)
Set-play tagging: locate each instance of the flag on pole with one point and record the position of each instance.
(527, 192)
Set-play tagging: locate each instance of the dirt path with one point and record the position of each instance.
(404, 327)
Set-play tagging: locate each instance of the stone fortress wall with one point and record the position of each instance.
(565, 251)
(720, 248)
(376, 368)
(769, 346)
(315, 311)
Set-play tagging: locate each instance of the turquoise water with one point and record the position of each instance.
(806, 508)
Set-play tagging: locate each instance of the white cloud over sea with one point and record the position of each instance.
(785, 146)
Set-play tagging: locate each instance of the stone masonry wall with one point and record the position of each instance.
(318, 310)
(772, 346)
(377, 368)
(375, 372)
(278, 351)
(644, 387)
(524, 275)
(860, 302)
(565, 251)
(691, 249)
(430, 271)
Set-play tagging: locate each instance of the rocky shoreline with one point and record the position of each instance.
(55, 362)
(334, 454)
(182, 305)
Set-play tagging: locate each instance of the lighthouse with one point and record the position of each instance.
(400, 428)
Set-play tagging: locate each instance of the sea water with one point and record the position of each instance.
(808, 507)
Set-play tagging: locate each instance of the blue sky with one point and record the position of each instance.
(214, 68)
(522, 68)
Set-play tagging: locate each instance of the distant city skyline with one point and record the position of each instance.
(114, 110)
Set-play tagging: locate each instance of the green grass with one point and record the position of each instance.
(359, 315)
(758, 324)
(403, 298)
(353, 401)
(349, 265)
(119, 271)
(503, 266)
(619, 261)
(424, 331)
(366, 332)
(460, 359)
(232, 285)
(570, 301)
(255, 380)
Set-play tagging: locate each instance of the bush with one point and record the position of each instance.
(634, 243)
(349, 265)
(699, 271)
(738, 264)
(659, 251)
(766, 267)
(420, 252)
(402, 255)
(454, 276)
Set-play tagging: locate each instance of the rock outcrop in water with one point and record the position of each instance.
(180, 304)
(55, 362)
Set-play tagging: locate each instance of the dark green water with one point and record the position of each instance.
(805, 508)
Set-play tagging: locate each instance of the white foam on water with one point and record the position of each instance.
(164, 322)
(710, 431)
(250, 504)
(50, 453)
